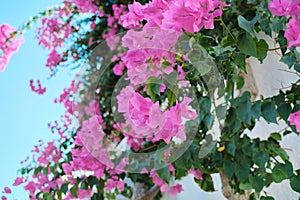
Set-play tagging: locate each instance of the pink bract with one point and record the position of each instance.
(295, 120)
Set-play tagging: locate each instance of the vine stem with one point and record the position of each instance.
(226, 28)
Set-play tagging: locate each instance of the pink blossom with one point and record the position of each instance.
(7, 190)
(158, 181)
(144, 171)
(50, 154)
(65, 97)
(132, 18)
(192, 15)
(86, 5)
(280, 7)
(39, 89)
(53, 32)
(197, 173)
(292, 34)
(18, 181)
(8, 44)
(67, 168)
(84, 194)
(31, 187)
(53, 59)
(174, 190)
(294, 119)
(295, 11)
(114, 183)
(118, 69)
(3, 198)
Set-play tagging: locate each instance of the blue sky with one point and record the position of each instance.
(24, 115)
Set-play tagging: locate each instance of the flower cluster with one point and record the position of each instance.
(86, 5)
(188, 15)
(53, 33)
(9, 44)
(53, 60)
(146, 119)
(290, 9)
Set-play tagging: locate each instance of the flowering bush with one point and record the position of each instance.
(145, 95)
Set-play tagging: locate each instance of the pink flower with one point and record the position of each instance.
(292, 34)
(158, 181)
(132, 18)
(295, 120)
(114, 183)
(192, 15)
(18, 181)
(280, 7)
(118, 69)
(39, 89)
(67, 168)
(53, 59)
(31, 187)
(3, 198)
(197, 173)
(174, 190)
(86, 5)
(10, 47)
(7, 190)
(53, 32)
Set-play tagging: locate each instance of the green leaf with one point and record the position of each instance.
(284, 110)
(246, 44)
(295, 183)
(242, 171)
(257, 182)
(165, 64)
(206, 183)
(153, 85)
(227, 41)
(289, 59)
(64, 188)
(275, 136)
(164, 174)
(262, 50)
(172, 93)
(50, 197)
(228, 167)
(283, 155)
(221, 111)
(245, 186)
(204, 66)
(73, 191)
(240, 60)
(260, 158)
(256, 109)
(171, 79)
(59, 195)
(84, 185)
(230, 148)
(277, 25)
(38, 170)
(240, 82)
(265, 25)
(269, 111)
(247, 25)
(282, 171)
